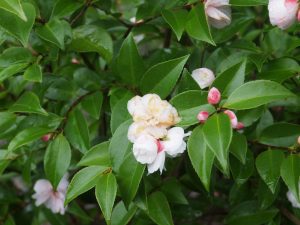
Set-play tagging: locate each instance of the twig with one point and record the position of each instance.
(290, 216)
(86, 6)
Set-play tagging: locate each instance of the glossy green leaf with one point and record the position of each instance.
(280, 134)
(57, 159)
(106, 191)
(15, 55)
(64, 8)
(97, 155)
(16, 26)
(83, 181)
(15, 7)
(91, 38)
(6, 121)
(197, 25)
(176, 20)
(265, 92)
(218, 134)
(239, 146)
(77, 131)
(173, 191)
(248, 2)
(159, 210)
(201, 156)
(54, 32)
(33, 73)
(27, 136)
(121, 215)
(28, 103)
(230, 79)
(93, 104)
(12, 70)
(290, 173)
(161, 78)
(130, 65)
(129, 178)
(268, 166)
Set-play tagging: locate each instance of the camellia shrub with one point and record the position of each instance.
(149, 112)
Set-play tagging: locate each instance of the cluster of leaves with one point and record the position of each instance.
(69, 67)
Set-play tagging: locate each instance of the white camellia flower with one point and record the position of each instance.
(173, 145)
(218, 12)
(283, 13)
(290, 196)
(145, 149)
(45, 194)
(204, 77)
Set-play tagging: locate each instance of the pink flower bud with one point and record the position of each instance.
(46, 137)
(298, 16)
(214, 96)
(299, 140)
(202, 116)
(240, 126)
(232, 117)
(75, 61)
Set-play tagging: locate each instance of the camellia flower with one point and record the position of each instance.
(204, 77)
(283, 13)
(232, 117)
(218, 12)
(202, 116)
(52, 199)
(214, 96)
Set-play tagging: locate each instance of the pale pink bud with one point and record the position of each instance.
(298, 16)
(214, 96)
(232, 117)
(299, 140)
(75, 61)
(283, 13)
(46, 137)
(202, 116)
(240, 126)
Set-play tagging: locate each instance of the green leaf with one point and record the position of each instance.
(230, 79)
(27, 136)
(290, 173)
(54, 32)
(6, 121)
(33, 73)
(15, 55)
(280, 134)
(12, 70)
(265, 92)
(201, 156)
(120, 146)
(91, 38)
(239, 146)
(172, 189)
(83, 181)
(176, 20)
(248, 2)
(106, 191)
(28, 103)
(93, 104)
(161, 78)
(189, 104)
(57, 159)
(121, 215)
(242, 172)
(197, 25)
(77, 131)
(249, 116)
(159, 210)
(130, 65)
(280, 69)
(63, 8)
(97, 155)
(15, 7)
(16, 26)
(268, 166)
(218, 133)
(249, 213)
(129, 178)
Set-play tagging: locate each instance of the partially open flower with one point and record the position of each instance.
(202, 116)
(232, 117)
(204, 77)
(214, 96)
(52, 199)
(218, 12)
(283, 13)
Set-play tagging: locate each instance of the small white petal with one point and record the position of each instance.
(158, 163)
(63, 184)
(43, 190)
(292, 199)
(204, 77)
(145, 149)
(174, 143)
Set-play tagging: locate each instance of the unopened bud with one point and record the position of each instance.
(46, 137)
(202, 116)
(214, 96)
(232, 117)
(240, 126)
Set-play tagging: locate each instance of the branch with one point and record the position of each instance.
(290, 216)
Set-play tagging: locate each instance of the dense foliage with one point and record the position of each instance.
(69, 71)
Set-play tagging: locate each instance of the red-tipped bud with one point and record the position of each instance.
(240, 126)
(232, 117)
(202, 116)
(214, 96)
(46, 137)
